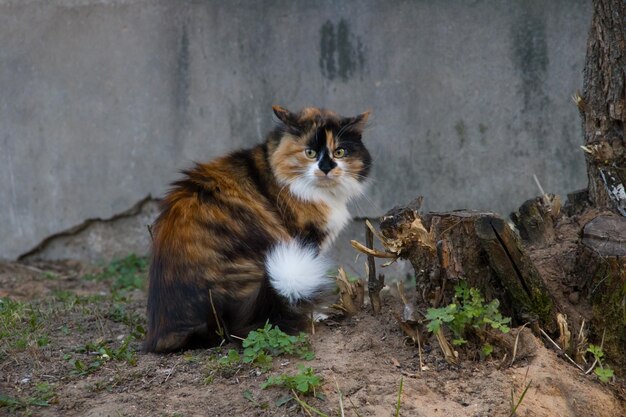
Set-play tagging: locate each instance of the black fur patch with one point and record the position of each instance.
(326, 164)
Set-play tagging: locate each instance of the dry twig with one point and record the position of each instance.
(351, 294)
(372, 252)
(561, 350)
(448, 352)
(515, 345)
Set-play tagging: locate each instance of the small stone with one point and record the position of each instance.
(574, 297)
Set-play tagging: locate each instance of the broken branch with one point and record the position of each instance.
(370, 251)
(374, 285)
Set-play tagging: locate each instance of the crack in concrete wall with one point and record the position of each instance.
(98, 240)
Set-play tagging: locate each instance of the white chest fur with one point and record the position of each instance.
(337, 220)
(336, 199)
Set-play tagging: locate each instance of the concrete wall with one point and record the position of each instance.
(102, 102)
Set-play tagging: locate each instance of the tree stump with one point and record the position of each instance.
(477, 247)
(577, 202)
(535, 220)
(601, 273)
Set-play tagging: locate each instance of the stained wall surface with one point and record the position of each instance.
(102, 102)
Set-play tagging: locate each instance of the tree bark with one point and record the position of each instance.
(535, 221)
(601, 270)
(603, 106)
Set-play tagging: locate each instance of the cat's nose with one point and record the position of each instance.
(326, 164)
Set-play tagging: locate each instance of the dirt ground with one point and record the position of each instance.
(70, 338)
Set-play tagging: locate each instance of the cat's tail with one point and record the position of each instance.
(298, 273)
(296, 280)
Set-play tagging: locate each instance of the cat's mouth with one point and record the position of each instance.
(326, 182)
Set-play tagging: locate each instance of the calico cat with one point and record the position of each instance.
(240, 240)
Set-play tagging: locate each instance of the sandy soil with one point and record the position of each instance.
(365, 358)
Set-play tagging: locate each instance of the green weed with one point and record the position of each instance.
(21, 325)
(225, 366)
(70, 300)
(44, 393)
(101, 352)
(304, 381)
(263, 344)
(399, 401)
(603, 371)
(49, 275)
(468, 311)
(119, 313)
(515, 404)
(128, 273)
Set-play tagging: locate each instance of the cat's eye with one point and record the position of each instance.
(310, 153)
(339, 153)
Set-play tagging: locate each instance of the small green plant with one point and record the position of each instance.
(603, 371)
(515, 404)
(399, 402)
(305, 381)
(21, 325)
(128, 273)
(223, 366)
(263, 344)
(15, 403)
(44, 393)
(49, 275)
(119, 313)
(102, 353)
(468, 311)
(43, 340)
(486, 350)
(232, 357)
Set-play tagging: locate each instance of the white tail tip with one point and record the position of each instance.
(296, 272)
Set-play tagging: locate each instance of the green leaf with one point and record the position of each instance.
(487, 350)
(604, 374)
(433, 325)
(308, 355)
(247, 394)
(596, 351)
(303, 386)
(283, 400)
(458, 342)
(468, 310)
(304, 381)
(444, 314)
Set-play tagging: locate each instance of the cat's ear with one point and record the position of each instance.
(285, 116)
(357, 122)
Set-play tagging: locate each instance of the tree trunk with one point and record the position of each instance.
(603, 107)
(601, 270)
(601, 263)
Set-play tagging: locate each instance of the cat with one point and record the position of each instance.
(240, 241)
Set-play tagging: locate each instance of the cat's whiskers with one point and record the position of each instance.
(359, 209)
(366, 199)
(358, 176)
